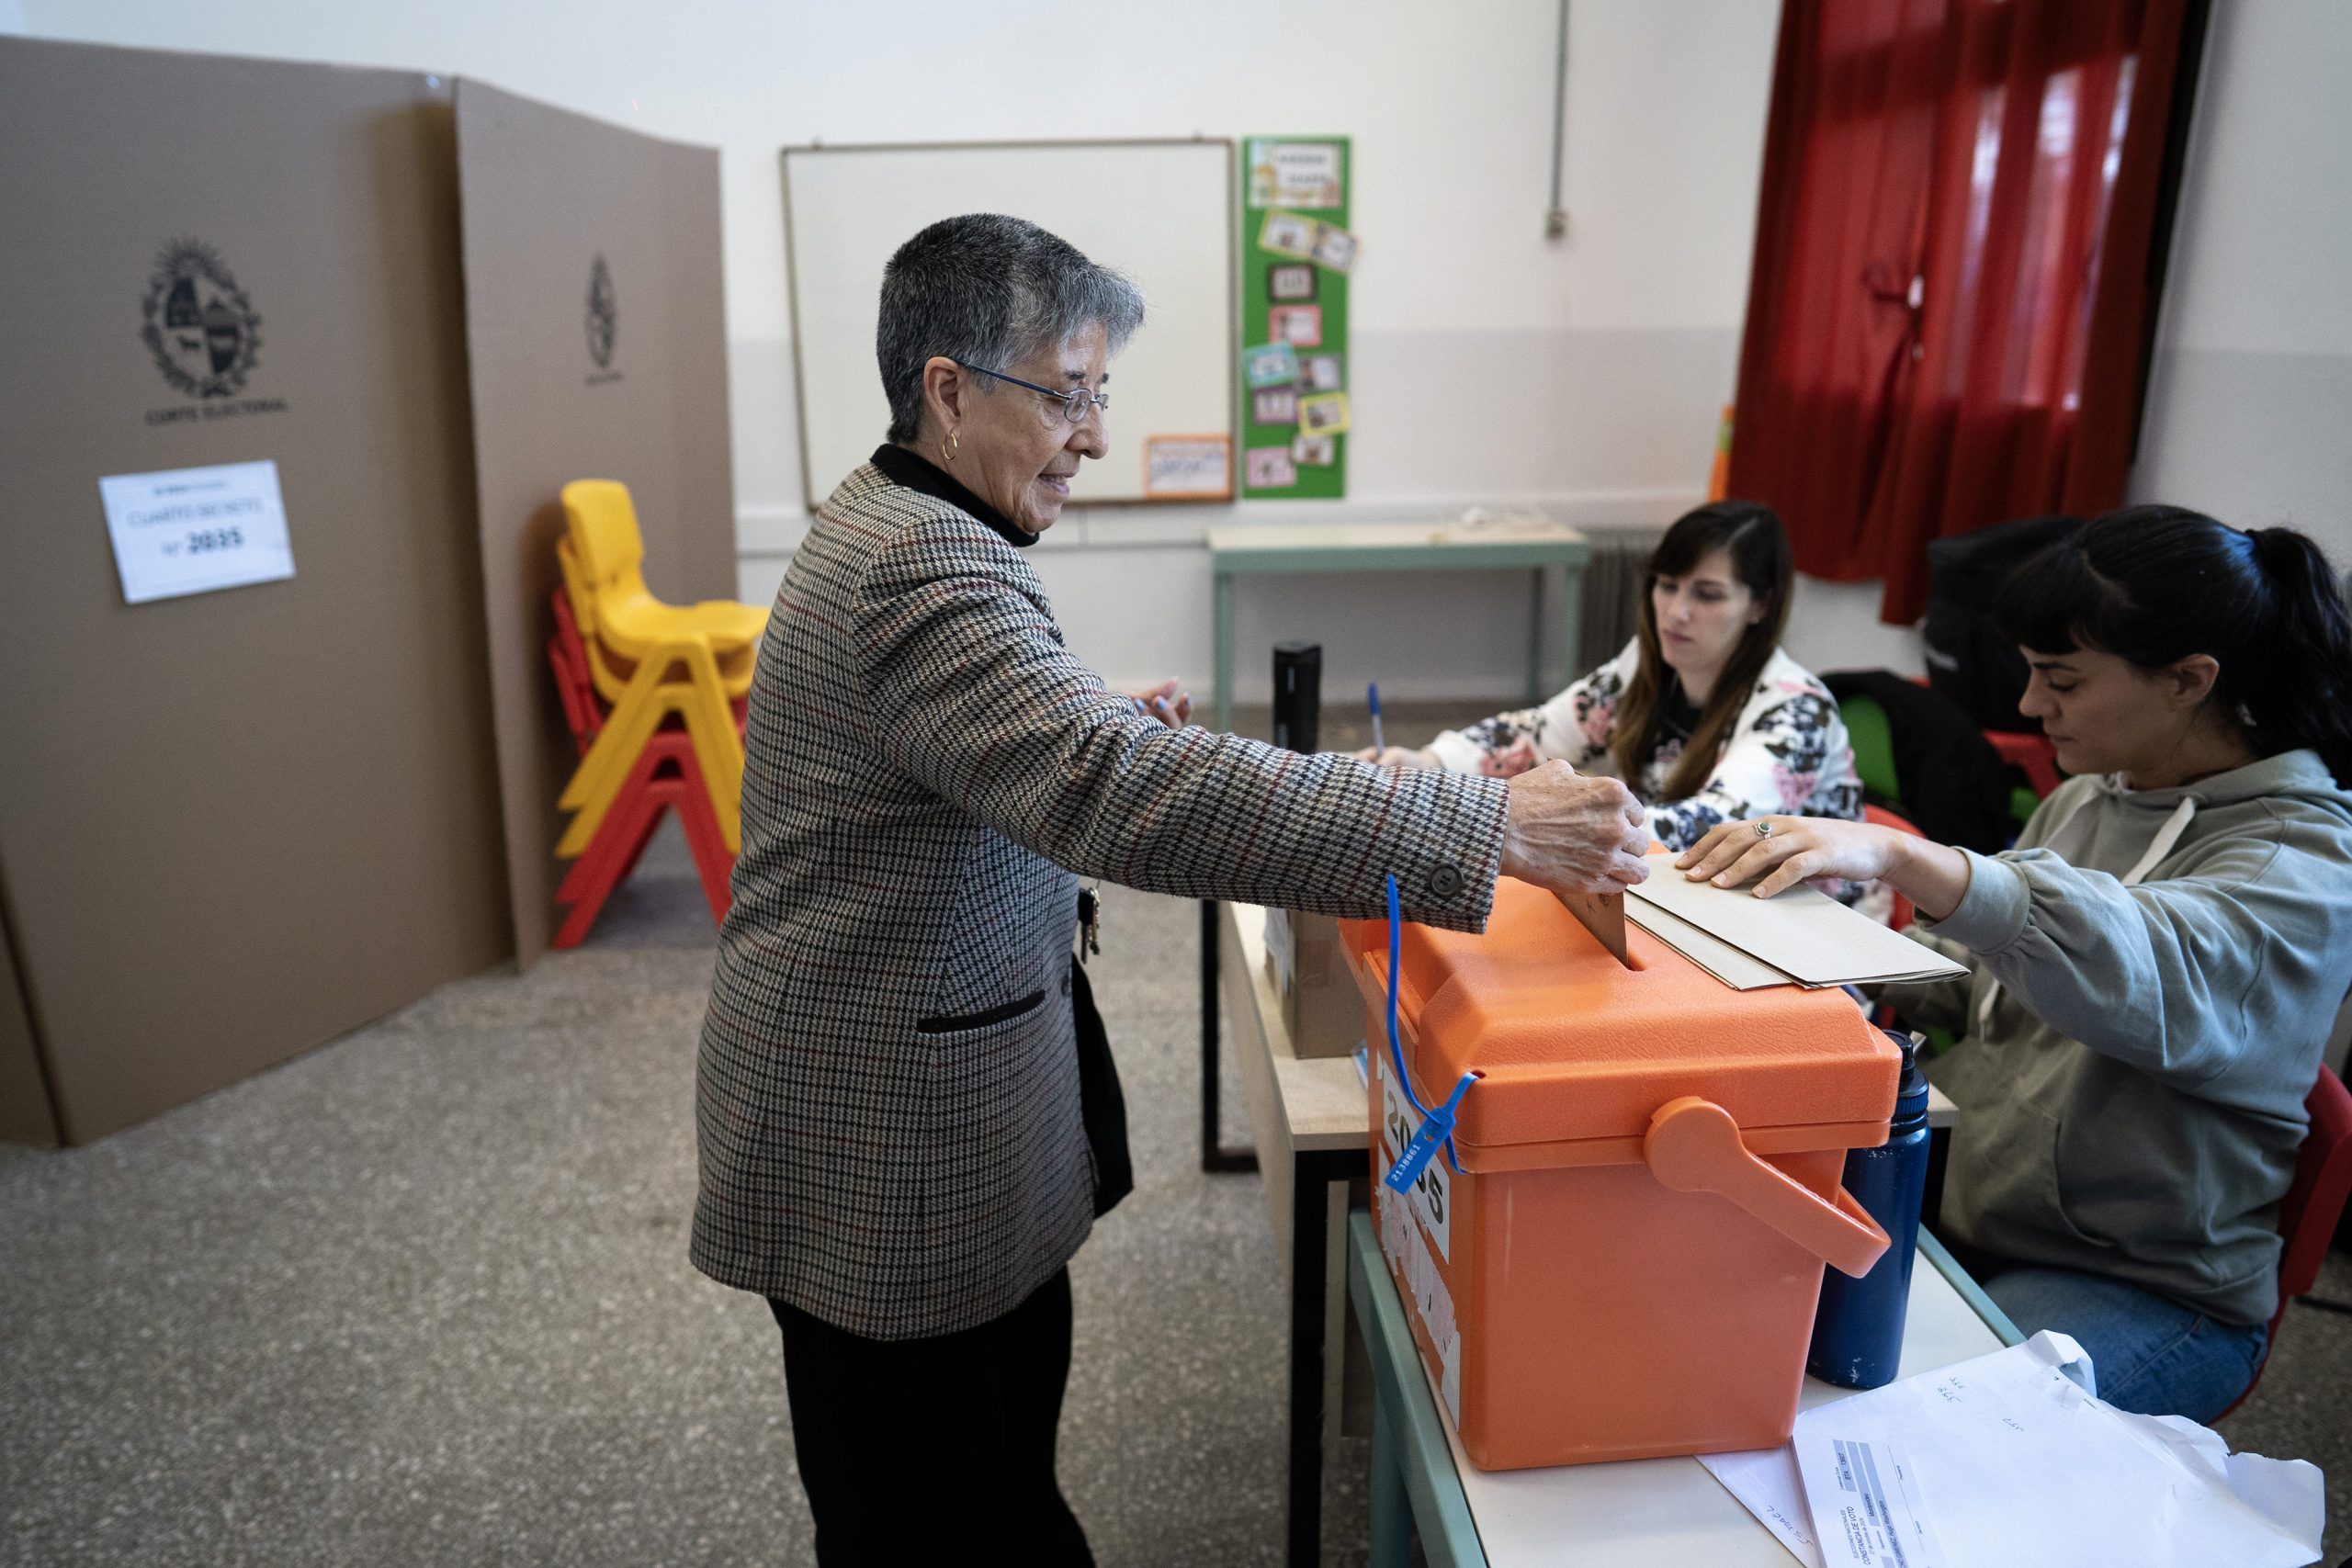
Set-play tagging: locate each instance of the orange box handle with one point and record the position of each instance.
(1693, 1145)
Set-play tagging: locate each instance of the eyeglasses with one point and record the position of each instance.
(1074, 402)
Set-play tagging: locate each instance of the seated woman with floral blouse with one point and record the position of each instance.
(1701, 714)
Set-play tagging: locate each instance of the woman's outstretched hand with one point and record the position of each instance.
(1797, 849)
(1167, 702)
(1511, 760)
(1395, 757)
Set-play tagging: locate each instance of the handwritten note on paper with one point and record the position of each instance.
(1193, 467)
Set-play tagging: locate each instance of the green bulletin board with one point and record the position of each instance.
(1296, 253)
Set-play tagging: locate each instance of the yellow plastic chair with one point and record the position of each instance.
(649, 697)
(610, 554)
(610, 672)
(635, 642)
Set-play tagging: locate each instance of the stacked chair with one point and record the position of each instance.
(654, 695)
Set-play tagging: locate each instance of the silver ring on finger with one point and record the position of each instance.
(1764, 827)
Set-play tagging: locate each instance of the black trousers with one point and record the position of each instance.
(937, 1451)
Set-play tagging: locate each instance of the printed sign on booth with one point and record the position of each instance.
(193, 530)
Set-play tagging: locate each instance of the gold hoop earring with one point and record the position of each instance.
(953, 445)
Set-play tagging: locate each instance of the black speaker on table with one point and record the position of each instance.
(1298, 694)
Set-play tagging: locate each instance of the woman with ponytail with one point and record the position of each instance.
(2155, 967)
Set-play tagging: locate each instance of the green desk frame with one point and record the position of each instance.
(1414, 1482)
(1291, 548)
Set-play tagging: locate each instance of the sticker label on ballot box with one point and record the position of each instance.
(1431, 1197)
(1418, 1274)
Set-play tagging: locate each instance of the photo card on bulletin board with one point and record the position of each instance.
(1325, 413)
(1292, 283)
(1274, 405)
(1322, 373)
(1301, 326)
(1288, 234)
(1270, 365)
(1334, 247)
(1270, 468)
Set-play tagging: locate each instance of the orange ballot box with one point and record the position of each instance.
(1626, 1262)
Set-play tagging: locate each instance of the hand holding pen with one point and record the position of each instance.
(1380, 751)
(1167, 701)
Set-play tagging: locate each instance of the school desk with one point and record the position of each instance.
(1502, 543)
(1636, 1512)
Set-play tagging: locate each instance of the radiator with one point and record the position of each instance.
(1612, 594)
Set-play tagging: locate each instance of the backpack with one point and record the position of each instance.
(1968, 659)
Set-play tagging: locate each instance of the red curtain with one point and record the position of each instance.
(1952, 273)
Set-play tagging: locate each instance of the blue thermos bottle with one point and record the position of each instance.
(1857, 1332)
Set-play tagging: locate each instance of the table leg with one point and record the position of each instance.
(1309, 1257)
(1535, 692)
(1392, 1511)
(1215, 1156)
(1571, 621)
(1221, 635)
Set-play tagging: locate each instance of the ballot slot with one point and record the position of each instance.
(1602, 914)
(1738, 970)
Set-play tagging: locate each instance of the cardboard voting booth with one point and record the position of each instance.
(235, 822)
(597, 339)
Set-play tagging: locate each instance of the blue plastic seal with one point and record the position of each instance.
(1436, 1128)
(1436, 1123)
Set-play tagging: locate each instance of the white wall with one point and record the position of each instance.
(2249, 412)
(1490, 364)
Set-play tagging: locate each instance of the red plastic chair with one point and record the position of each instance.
(665, 777)
(2031, 754)
(2313, 1205)
(2029, 751)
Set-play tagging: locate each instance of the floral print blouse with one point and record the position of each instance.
(1788, 753)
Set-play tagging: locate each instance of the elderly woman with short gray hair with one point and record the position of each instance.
(907, 1112)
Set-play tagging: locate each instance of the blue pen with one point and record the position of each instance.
(1371, 700)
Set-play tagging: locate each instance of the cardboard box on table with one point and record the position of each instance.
(1627, 1263)
(236, 824)
(1321, 1009)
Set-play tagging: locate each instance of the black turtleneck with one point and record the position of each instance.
(920, 473)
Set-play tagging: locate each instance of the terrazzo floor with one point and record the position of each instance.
(421, 1297)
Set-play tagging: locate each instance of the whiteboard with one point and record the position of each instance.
(1159, 211)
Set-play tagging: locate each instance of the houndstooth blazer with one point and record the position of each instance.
(887, 1096)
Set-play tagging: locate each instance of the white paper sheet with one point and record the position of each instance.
(2022, 1467)
(1803, 930)
(1865, 1498)
(1717, 957)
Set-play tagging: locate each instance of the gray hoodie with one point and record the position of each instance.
(2137, 1048)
